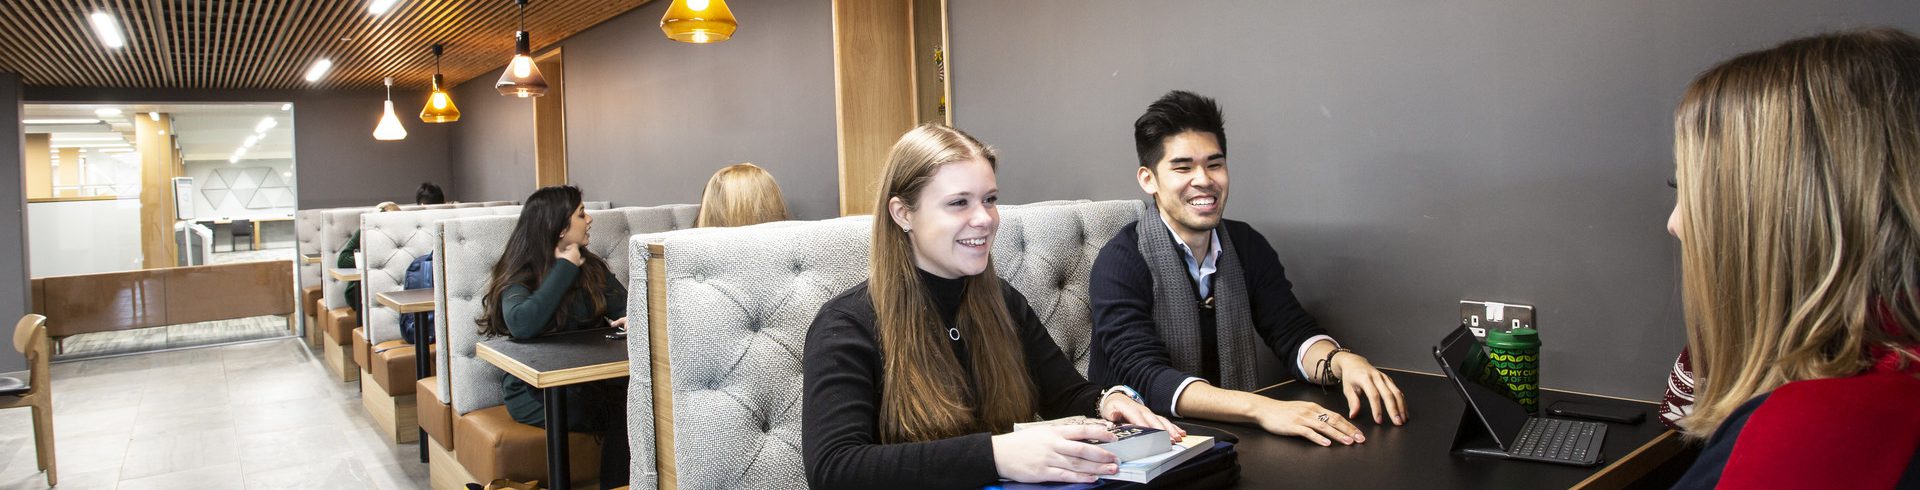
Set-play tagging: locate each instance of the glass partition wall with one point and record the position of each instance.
(119, 194)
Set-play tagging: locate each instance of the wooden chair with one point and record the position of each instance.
(30, 338)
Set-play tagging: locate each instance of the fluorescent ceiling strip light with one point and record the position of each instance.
(319, 69)
(265, 124)
(378, 7)
(59, 137)
(108, 30)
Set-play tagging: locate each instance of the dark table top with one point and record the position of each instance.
(559, 359)
(1417, 455)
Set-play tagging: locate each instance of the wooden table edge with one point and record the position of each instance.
(310, 259)
(549, 379)
(342, 275)
(403, 308)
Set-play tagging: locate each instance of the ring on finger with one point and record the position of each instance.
(1325, 416)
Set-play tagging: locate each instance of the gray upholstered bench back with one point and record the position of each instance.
(738, 303)
(391, 241)
(306, 241)
(336, 227)
(468, 248)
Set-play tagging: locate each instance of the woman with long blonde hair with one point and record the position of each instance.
(1798, 169)
(739, 195)
(916, 377)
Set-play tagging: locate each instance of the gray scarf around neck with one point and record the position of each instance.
(1176, 311)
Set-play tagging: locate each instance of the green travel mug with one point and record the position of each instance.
(1515, 355)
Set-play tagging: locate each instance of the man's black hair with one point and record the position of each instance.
(429, 194)
(1177, 112)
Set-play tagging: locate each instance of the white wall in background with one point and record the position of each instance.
(83, 237)
(262, 187)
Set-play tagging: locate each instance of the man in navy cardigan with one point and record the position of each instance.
(1179, 330)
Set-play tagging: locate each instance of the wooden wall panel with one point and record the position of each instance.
(550, 123)
(102, 302)
(238, 291)
(873, 90)
(39, 161)
(154, 139)
(157, 297)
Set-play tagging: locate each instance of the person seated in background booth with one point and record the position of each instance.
(1799, 225)
(739, 195)
(346, 261)
(546, 282)
(914, 378)
(429, 194)
(1179, 297)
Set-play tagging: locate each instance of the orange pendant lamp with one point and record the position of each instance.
(522, 79)
(698, 21)
(439, 108)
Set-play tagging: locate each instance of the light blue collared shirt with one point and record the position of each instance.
(1200, 270)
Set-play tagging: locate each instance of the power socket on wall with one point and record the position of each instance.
(1478, 316)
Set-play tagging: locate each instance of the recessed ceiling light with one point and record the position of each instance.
(319, 69)
(108, 30)
(265, 124)
(378, 7)
(286, 107)
(107, 112)
(60, 121)
(155, 116)
(251, 139)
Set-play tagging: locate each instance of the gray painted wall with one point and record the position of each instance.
(650, 119)
(1400, 155)
(490, 149)
(336, 160)
(15, 294)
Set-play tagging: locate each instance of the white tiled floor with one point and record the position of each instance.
(248, 416)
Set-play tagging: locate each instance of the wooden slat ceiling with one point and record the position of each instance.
(269, 44)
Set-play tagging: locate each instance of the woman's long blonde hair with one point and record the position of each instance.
(739, 195)
(1798, 201)
(924, 391)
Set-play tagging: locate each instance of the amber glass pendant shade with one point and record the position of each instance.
(439, 108)
(698, 21)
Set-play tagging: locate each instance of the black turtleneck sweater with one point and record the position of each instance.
(844, 375)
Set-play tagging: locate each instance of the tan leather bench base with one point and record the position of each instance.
(435, 417)
(444, 471)
(394, 417)
(393, 367)
(339, 323)
(362, 352)
(310, 301)
(491, 445)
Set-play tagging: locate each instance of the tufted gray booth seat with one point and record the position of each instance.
(306, 230)
(738, 303)
(390, 242)
(487, 443)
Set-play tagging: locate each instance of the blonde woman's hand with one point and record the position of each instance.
(1119, 407)
(1054, 454)
(569, 252)
(620, 324)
